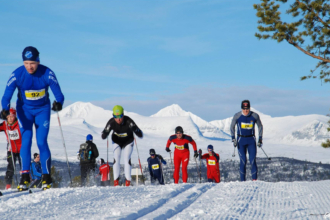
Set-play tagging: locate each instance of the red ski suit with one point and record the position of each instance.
(213, 171)
(181, 154)
(105, 172)
(14, 134)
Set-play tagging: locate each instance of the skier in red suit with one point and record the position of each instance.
(212, 161)
(15, 137)
(105, 173)
(181, 153)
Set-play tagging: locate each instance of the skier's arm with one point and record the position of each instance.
(9, 91)
(135, 129)
(149, 166)
(216, 156)
(260, 127)
(162, 159)
(193, 143)
(233, 124)
(95, 151)
(55, 87)
(106, 130)
(168, 145)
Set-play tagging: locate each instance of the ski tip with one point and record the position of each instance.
(269, 158)
(30, 191)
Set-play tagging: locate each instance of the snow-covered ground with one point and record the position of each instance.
(234, 200)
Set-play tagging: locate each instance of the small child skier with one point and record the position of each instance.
(155, 167)
(212, 161)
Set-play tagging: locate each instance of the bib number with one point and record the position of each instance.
(155, 167)
(179, 147)
(211, 162)
(35, 94)
(121, 135)
(246, 125)
(13, 135)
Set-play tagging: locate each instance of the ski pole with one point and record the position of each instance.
(11, 151)
(66, 155)
(139, 160)
(172, 162)
(234, 152)
(200, 165)
(197, 167)
(266, 154)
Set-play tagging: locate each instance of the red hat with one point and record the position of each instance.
(12, 111)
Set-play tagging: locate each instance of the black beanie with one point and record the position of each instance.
(245, 104)
(35, 155)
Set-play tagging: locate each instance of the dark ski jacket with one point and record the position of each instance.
(154, 165)
(95, 154)
(122, 133)
(36, 171)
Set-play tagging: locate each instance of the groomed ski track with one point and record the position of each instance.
(234, 200)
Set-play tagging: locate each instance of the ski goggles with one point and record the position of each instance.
(118, 116)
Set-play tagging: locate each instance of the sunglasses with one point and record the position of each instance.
(178, 133)
(246, 109)
(118, 116)
(209, 150)
(152, 155)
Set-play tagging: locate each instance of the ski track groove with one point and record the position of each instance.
(158, 204)
(174, 206)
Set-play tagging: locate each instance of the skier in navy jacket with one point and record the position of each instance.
(32, 81)
(246, 140)
(155, 162)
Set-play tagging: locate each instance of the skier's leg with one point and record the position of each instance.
(10, 169)
(242, 156)
(42, 122)
(127, 160)
(185, 162)
(252, 148)
(83, 174)
(25, 120)
(116, 161)
(216, 177)
(177, 163)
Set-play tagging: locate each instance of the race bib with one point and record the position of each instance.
(121, 135)
(211, 162)
(35, 94)
(155, 167)
(13, 135)
(179, 147)
(247, 125)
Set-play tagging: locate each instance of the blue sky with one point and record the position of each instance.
(146, 55)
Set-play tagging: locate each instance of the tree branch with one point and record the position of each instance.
(317, 15)
(306, 52)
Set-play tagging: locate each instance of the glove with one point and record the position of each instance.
(132, 127)
(167, 149)
(4, 113)
(196, 154)
(259, 143)
(200, 152)
(234, 142)
(104, 135)
(57, 106)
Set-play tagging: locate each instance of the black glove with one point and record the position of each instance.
(196, 154)
(259, 143)
(4, 113)
(57, 106)
(104, 135)
(167, 149)
(234, 142)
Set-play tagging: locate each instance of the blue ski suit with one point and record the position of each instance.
(155, 169)
(36, 171)
(246, 140)
(33, 107)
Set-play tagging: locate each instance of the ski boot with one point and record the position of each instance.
(8, 186)
(128, 183)
(24, 183)
(116, 183)
(47, 182)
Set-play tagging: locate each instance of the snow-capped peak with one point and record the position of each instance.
(81, 110)
(172, 110)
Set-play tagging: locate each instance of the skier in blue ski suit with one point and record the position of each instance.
(33, 107)
(155, 167)
(35, 171)
(246, 141)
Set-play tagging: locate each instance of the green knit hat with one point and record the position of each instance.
(118, 110)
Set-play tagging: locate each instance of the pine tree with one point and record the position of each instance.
(308, 30)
